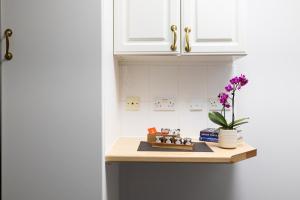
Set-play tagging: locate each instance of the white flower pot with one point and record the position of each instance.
(228, 139)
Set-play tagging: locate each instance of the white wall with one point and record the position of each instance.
(110, 101)
(270, 99)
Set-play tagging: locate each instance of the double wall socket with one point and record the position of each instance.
(164, 104)
(214, 104)
(133, 103)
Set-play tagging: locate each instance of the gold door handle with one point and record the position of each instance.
(8, 55)
(187, 39)
(174, 29)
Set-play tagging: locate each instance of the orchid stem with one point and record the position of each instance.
(224, 112)
(233, 117)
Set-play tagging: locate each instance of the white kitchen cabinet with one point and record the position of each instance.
(204, 27)
(216, 26)
(144, 26)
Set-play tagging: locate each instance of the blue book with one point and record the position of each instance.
(208, 139)
(210, 131)
(209, 135)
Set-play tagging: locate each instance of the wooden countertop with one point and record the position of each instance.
(125, 150)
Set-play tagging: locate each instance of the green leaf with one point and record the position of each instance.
(237, 121)
(238, 124)
(214, 118)
(221, 117)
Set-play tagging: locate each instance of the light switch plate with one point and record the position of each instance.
(164, 104)
(133, 103)
(195, 105)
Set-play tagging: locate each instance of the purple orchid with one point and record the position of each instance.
(223, 97)
(235, 80)
(227, 105)
(229, 88)
(243, 80)
(236, 83)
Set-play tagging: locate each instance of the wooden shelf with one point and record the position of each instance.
(125, 150)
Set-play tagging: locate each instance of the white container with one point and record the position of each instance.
(228, 139)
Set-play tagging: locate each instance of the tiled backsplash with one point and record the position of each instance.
(186, 83)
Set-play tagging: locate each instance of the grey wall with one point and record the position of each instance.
(176, 181)
(271, 100)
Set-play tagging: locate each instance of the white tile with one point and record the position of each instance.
(163, 81)
(217, 78)
(134, 81)
(191, 82)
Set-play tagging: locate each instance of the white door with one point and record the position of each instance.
(50, 99)
(144, 26)
(213, 26)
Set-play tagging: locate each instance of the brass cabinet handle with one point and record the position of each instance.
(174, 29)
(8, 55)
(187, 39)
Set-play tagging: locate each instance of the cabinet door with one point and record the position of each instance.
(216, 26)
(144, 26)
(50, 100)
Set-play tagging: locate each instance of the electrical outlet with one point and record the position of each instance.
(133, 103)
(164, 104)
(214, 104)
(195, 105)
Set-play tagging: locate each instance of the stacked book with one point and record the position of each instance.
(209, 135)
